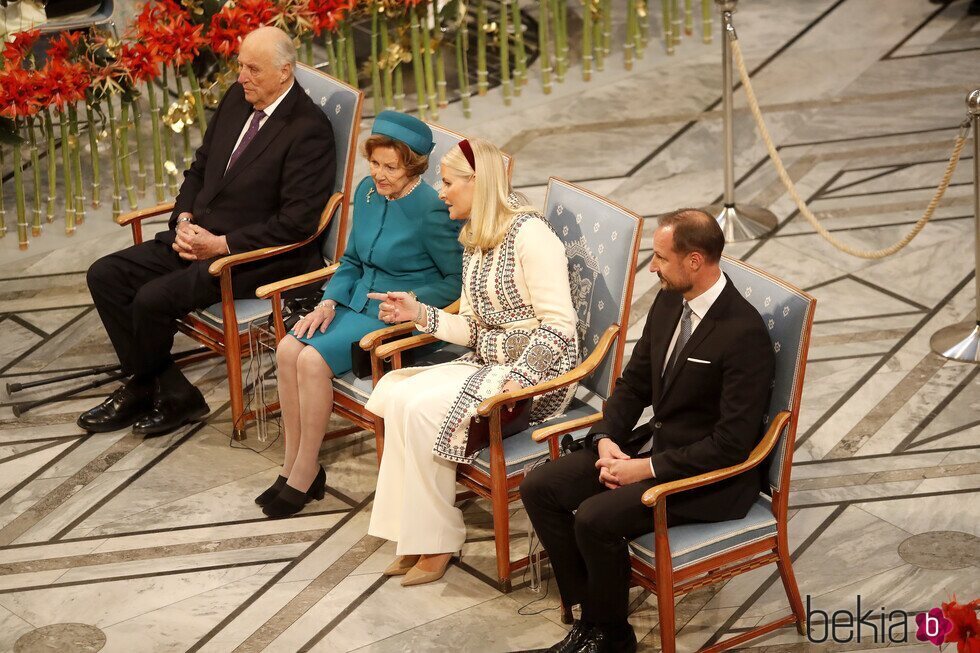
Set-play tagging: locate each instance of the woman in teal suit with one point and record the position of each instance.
(402, 239)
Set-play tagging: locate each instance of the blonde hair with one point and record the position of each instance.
(490, 213)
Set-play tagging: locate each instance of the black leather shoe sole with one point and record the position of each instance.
(168, 426)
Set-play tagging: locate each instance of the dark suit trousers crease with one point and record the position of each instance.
(140, 292)
(588, 548)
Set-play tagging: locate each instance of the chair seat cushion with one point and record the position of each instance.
(520, 450)
(360, 389)
(691, 543)
(246, 312)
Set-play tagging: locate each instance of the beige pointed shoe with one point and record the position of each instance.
(416, 576)
(401, 565)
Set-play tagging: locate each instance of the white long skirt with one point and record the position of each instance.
(415, 501)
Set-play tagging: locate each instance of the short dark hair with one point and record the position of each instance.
(695, 231)
(414, 163)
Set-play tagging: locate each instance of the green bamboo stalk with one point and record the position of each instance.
(442, 99)
(76, 162)
(349, 51)
(185, 132)
(308, 49)
(332, 66)
(376, 92)
(563, 16)
(66, 173)
(116, 195)
(387, 73)
(19, 190)
(140, 148)
(124, 154)
(52, 158)
(668, 25)
(544, 46)
(520, 53)
(556, 30)
(706, 20)
(630, 45)
(676, 21)
(462, 70)
(586, 40)
(341, 53)
(158, 182)
(202, 123)
(642, 16)
(93, 146)
(399, 88)
(168, 141)
(428, 64)
(505, 50)
(482, 84)
(36, 169)
(598, 49)
(417, 71)
(688, 18)
(3, 211)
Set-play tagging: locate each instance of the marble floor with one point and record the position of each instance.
(117, 543)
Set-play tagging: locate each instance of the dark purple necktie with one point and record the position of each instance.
(253, 129)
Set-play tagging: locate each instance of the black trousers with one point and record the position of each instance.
(140, 292)
(584, 527)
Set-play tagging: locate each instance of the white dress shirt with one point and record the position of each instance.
(268, 112)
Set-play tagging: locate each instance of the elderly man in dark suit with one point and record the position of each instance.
(260, 178)
(705, 364)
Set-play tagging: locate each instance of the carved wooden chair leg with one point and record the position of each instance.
(501, 535)
(785, 566)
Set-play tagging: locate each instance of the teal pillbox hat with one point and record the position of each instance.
(405, 128)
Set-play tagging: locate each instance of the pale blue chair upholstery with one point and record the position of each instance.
(445, 139)
(788, 315)
(342, 104)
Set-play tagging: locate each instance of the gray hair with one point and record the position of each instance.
(282, 46)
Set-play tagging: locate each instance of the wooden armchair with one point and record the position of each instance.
(224, 327)
(674, 561)
(601, 241)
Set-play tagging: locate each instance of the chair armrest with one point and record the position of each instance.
(553, 431)
(269, 289)
(142, 214)
(658, 492)
(232, 260)
(575, 375)
(414, 342)
(375, 338)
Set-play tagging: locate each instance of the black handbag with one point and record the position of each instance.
(360, 361)
(511, 422)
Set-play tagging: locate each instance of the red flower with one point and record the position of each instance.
(141, 61)
(230, 25)
(67, 45)
(966, 628)
(19, 94)
(327, 14)
(65, 82)
(187, 41)
(16, 50)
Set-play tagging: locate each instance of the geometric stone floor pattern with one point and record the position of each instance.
(117, 543)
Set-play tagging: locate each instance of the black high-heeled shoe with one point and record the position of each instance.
(290, 501)
(266, 497)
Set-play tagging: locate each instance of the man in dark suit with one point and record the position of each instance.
(705, 364)
(261, 178)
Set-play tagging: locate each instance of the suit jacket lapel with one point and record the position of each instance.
(273, 125)
(661, 341)
(224, 142)
(705, 327)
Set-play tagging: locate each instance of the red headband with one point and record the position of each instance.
(467, 150)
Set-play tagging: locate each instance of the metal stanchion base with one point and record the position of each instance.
(958, 342)
(742, 222)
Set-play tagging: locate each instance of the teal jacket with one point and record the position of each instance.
(405, 244)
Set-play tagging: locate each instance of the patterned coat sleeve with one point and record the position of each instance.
(461, 329)
(544, 266)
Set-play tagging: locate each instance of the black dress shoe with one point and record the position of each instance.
(601, 640)
(121, 409)
(266, 497)
(171, 411)
(580, 630)
(290, 501)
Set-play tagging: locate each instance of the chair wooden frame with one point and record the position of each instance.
(496, 486)
(228, 341)
(665, 582)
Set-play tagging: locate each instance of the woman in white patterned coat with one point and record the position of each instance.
(516, 314)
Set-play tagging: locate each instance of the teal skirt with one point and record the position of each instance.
(334, 344)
